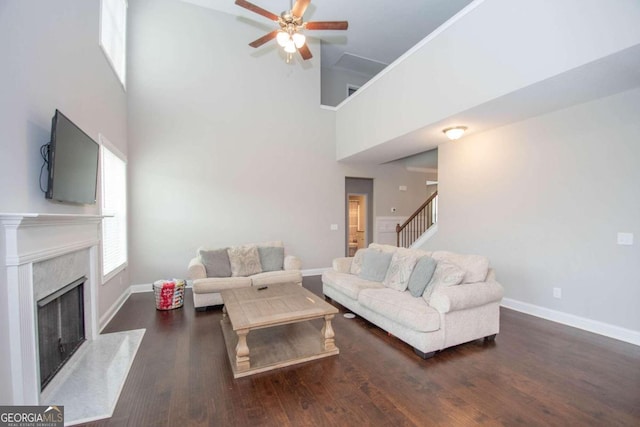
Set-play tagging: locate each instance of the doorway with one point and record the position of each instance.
(358, 214)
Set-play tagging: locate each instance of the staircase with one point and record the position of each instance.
(419, 222)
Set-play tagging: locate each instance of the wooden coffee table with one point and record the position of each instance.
(265, 329)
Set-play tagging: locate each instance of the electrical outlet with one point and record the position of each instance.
(625, 238)
(403, 188)
(557, 293)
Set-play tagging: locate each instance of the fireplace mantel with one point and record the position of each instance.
(27, 239)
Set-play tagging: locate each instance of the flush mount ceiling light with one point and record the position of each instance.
(455, 132)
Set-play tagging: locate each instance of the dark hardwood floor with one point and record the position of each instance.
(535, 373)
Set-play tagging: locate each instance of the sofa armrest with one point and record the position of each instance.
(342, 265)
(465, 296)
(292, 263)
(196, 269)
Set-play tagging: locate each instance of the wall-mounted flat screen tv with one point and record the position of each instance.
(72, 163)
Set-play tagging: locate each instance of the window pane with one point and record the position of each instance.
(114, 204)
(113, 34)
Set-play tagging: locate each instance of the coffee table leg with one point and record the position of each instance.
(242, 350)
(328, 334)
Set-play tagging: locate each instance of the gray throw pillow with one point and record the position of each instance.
(271, 258)
(216, 262)
(421, 275)
(375, 265)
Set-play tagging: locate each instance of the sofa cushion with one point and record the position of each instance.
(375, 265)
(276, 277)
(445, 274)
(475, 266)
(400, 269)
(348, 284)
(244, 261)
(356, 263)
(219, 284)
(216, 262)
(401, 307)
(421, 275)
(271, 257)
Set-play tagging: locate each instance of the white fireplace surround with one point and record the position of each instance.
(32, 239)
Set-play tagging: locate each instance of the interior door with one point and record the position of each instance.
(358, 219)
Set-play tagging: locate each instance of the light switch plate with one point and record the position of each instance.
(625, 238)
(403, 188)
(333, 227)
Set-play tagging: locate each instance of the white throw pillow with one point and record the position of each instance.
(400, 269)
(445, 274)
(244, 260)
(356, 263)
(476, 267)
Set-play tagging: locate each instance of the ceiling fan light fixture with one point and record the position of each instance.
(455, 132)
(299, 39)
(290, 47)
(282, 38)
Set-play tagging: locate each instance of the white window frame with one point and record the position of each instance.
(121, 33)
(106, 145)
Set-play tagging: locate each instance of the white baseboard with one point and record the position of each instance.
(115, 307)
(601, 328)
(314, 271)
(136, 289)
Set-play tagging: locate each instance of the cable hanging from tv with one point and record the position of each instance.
(44, 152)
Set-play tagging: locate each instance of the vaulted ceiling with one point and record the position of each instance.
(379, 31)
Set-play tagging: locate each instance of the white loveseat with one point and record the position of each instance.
(463, 302)
(213, 271)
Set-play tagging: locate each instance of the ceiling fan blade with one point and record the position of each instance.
(262, 40)
(257, 9)
(327, 25)
(305, 52)
(299, 7)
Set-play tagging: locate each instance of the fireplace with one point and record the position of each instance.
(60, 328)
(42, 256)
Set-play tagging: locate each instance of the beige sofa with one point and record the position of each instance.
(463, 304)
(209, 282)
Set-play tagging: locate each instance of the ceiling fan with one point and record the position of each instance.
(289, 35)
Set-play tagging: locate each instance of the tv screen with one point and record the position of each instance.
(73, 163)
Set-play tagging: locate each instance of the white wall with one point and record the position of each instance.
(497, 48)
(544, 199)
(50, 59)
(334, 84)
(229, 145)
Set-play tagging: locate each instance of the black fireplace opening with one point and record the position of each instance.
(60, 328)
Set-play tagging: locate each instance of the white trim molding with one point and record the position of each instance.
(600, 328)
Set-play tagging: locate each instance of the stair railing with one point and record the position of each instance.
(423, 218)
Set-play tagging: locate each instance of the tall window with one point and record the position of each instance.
(113, 34)
(114, 208)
